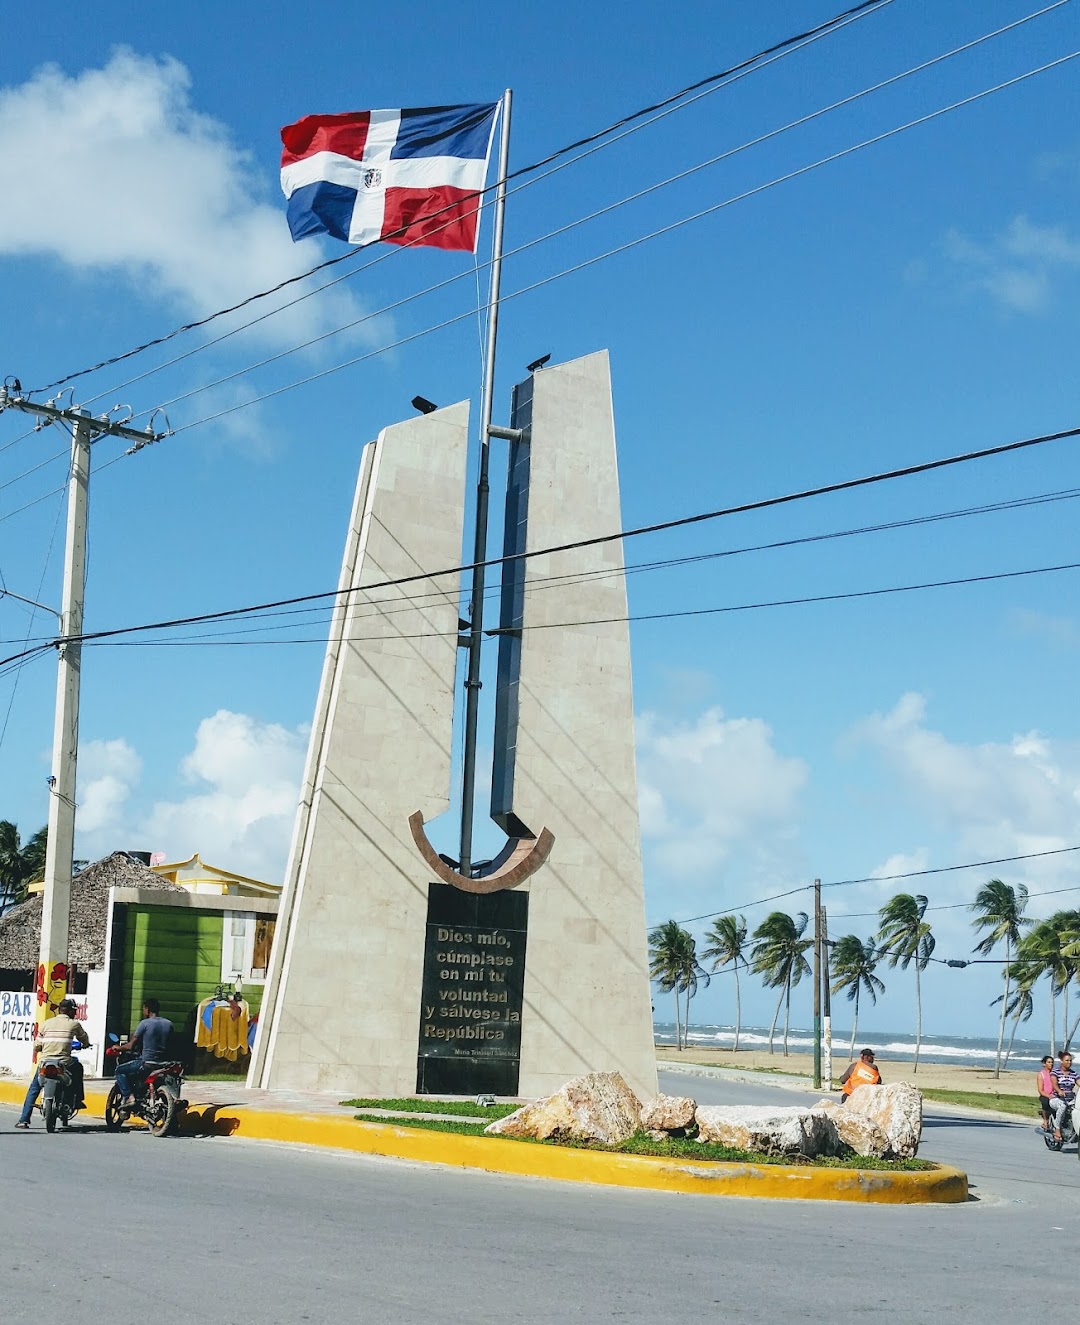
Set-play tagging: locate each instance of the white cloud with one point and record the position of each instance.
(992, 800)
(711, 788)
(1017, 267)
(107, 772)
(246, 776)
(150, 187)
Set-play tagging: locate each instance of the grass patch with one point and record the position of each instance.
(731, 1067)
(465, 1108)
(676, 1148)
(971, 1099)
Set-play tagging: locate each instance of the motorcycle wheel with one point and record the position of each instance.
(114, 1118)
(48, 1108)
(162, 1117)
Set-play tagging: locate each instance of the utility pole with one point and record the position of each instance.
(52, 974)
(826, 997)
(817, 984)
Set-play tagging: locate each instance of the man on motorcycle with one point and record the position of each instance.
(54, 1041)
(151, 1041)
(1064, 1091)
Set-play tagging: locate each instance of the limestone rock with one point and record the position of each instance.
(897, 1110)
(773, 1131)
(597, 1107)
(668, 1113)
(855, 1129)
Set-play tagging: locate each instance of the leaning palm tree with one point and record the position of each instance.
(853, 965)
(904, 937)
(999, 916)
(778, 955)
(1020, 1007)
(667, 960)
(727, 947)
(692, 975)
(1041, 952)
(21, 863)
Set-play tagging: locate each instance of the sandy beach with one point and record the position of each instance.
(940, 1076)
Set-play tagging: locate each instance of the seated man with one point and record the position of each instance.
(151, 1040)
(1064, 1091)
(862, 1073)
(54, 1041)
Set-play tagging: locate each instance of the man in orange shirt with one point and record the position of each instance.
(862, 1073)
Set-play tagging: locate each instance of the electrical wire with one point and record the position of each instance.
(595, 541)
(551, 234)
(862, 9)
(629, 244)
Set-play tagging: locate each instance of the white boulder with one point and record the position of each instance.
(855, 1129)
(668, 1113)
(897, 1109)
(772, 1131)
(597, 1107)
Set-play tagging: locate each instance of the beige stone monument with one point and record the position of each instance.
(392, 973)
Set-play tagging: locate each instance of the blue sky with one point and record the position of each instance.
(915, 299)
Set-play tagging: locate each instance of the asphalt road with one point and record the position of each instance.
(96, 1228)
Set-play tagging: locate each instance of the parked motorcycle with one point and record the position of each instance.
(59, 1098)
(158, 1101)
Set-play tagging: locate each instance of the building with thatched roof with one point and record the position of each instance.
(20, 928)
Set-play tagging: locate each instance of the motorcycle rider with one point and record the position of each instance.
(54, 1041)
(151, 1041)
(1064, 1091)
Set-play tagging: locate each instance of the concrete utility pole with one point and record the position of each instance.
(826, 998)
(52, 976)
(817, 984)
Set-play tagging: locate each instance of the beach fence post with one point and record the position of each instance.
(817, 984)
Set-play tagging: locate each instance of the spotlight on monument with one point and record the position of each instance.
(424, 406)
(537, 363)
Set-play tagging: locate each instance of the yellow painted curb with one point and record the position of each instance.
(940, 1185)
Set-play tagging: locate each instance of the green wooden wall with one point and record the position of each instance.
(172, 954)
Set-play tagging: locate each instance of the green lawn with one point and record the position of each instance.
(1021, 1105)
(639, 1144)
(465, 1108)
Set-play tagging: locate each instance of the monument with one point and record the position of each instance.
(398, 969)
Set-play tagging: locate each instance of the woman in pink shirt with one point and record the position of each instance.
(1044, 1083)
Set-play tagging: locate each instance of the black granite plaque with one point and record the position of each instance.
(474, 975)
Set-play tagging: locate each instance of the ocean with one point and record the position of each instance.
(963, 1050)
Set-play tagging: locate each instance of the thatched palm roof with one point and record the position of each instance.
(20, 928)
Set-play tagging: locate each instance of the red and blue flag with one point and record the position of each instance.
(400, 176)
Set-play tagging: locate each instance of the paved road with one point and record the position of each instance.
(226, 1232)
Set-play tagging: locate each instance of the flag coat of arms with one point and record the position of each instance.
(400, 176)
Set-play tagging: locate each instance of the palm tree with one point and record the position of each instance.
(999, 914)
(665, 946)
(777, 954)
(727, 947)
(20, 863)
(853, 964)
(1041, 952)
(1020, 1008)
(904, 937)
(693, 974)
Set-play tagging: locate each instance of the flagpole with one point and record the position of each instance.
(476, 610)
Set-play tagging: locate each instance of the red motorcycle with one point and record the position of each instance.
(157, 1097)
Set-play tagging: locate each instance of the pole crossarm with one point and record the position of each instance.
(98, 425)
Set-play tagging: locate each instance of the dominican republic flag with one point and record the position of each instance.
(402, 176)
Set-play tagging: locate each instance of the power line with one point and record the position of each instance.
(551, 234)
(598, 540)
(886, 878)
(629, 244)
(859, 10)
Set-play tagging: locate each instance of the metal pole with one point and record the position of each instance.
(476, 610)
(56, 899)
(817, 984)
(826, 996)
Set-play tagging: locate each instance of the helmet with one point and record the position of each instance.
(68, 1006)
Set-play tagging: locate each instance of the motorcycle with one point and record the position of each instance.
(1068, 1131)
(158, 1101)
(59, 1097)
